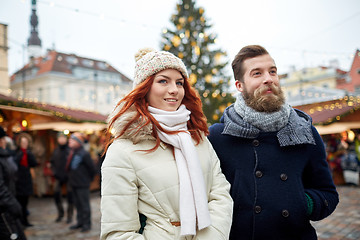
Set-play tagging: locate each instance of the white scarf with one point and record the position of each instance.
(193, 198)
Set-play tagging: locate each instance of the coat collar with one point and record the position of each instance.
(298, 130)
(134, 132)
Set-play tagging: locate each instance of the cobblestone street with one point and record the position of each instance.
(343, 224)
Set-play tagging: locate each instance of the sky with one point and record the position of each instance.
(297, 33)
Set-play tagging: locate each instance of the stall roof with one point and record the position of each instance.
(67, 114)
(328, 112)
(334, 116)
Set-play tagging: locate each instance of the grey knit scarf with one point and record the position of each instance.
(267, 122)
(298, 129)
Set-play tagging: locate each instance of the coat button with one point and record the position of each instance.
(283, 177)
(326, 203)
(255, 143)
(257, 209)
(285, 213)
(258, 174)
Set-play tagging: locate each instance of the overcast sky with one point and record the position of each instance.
(301, 33)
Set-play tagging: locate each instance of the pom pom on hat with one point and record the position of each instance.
(143, 52)
(150, 62)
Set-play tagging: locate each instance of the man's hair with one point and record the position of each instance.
(246, 52)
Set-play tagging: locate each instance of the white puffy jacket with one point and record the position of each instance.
(136, 182)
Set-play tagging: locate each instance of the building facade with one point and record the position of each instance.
(70, 81)
(351, 82)
(309, 85)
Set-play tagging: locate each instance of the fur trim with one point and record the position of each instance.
(132, 133)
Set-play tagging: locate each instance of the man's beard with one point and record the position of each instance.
(265, 102)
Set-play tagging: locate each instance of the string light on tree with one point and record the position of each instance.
(190, 39)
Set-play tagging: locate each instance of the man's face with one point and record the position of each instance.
(261, 87)
(62, 140)
(73, 143)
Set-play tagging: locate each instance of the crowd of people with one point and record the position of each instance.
(343, 157)
(69, 170)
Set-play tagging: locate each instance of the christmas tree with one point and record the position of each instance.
(190, 40)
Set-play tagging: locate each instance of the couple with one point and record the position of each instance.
(162, 178)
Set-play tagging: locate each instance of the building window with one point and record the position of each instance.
(92, 96)
(72, 59)
(82, 94)
(358, 70)
(59, 58)
(88, 63)
(101, 65)
(348, 79)
(34, 71)
(108, 98)
(40, 94)
(61, 94)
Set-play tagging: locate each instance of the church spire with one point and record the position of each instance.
(34, 42)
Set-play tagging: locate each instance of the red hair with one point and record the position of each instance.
(137, 98)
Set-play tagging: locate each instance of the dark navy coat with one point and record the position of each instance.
(81, 169)
(269, 182)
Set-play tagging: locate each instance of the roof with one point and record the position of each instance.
(328, 112)
(315, 94)
(55, 61)
(71, 115)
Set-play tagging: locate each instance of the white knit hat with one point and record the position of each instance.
(150, 61)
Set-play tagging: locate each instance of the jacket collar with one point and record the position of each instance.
(133, 132)
(298, 130)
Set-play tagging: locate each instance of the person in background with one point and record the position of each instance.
(357, 150)
(10, 209)
(58, 164)
(161, 178)
(25, 160)
(272, 156)
(81, 170)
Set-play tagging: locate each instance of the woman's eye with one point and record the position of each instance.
(180, 83)
(162, 81)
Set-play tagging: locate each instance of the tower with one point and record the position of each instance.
(34, 42)
(4, 75)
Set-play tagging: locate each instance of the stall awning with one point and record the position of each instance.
(72, 127)
(40, 116)
(337, 127)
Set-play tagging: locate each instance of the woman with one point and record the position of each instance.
(25, 160)
(160, 164)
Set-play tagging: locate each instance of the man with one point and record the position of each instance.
(81, 172)
(272, 156)
(10, 209)
(58, 163)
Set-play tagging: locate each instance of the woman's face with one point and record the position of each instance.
(167, 90)
(24, 143)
